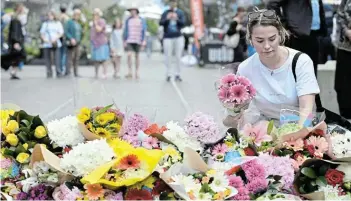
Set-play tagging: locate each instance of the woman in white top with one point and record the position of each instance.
(116, 46)
(51, 31)
(270, 70)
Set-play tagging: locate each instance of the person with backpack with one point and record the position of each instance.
(270, 70)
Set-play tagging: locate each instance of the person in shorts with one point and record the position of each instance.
(134, 39)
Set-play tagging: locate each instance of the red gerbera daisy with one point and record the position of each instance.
(129, 161)
(135, 194)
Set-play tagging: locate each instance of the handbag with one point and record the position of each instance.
(232, 41)
(330, 117)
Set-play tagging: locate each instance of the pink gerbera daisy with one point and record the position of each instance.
(296, 145)
(220, 149)
(223, 94)
(150, 143)
(227, 80)
(243, 81)
(252, 90)
(238, 94)
(320, 145)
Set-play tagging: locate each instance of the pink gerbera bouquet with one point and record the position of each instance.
(235, 92)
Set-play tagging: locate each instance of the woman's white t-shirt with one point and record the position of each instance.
(278, 88)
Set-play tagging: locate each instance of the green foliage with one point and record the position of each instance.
(152, 26)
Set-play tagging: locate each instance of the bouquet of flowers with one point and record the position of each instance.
(235, 92)
(202, 127)
(318, 179)
(100, 122)
(150, 188)
(314, 145)
(229, 149)
(9, 168)
(75, 191)
(133, 166)
(20, 133)
(132, 127)
(211, 185)
(65, 132)
(340, 140)
(152, 137)
(86, 157)
(37, 192)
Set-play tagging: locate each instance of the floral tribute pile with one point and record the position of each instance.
(101, 154)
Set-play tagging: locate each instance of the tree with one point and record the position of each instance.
(152, 26)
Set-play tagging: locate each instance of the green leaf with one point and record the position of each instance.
(161, 138)
(313, 183)
(270, 127)
(20, 115)
(24, 129)
(321, 181)
(302, 190)
(20, 149)
(323, 169)
(287, 152)
(31, 144)
(309, 172)
(25, 122)
(22, 137)
(103, 110)
(36, 122)
(8, 152)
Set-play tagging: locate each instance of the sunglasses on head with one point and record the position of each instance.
(267, 13)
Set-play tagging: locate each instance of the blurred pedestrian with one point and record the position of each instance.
(99, 43)
(16, 52)
(134, 38)
(63, 18)
(73, 37)
(235, 36)
(51, 31)
(116, 46)
(305, 21)
(343, 62)
(173, 20)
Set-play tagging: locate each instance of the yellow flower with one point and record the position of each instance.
(101, 132)
(84, 115)
(6, 131)
(172, 152)
(12, 125)
(211, 172)
(40, 132)
(22, 158)
(12, 139)
(119, 146)
(115, 128)
(229, 144)
(104, 118)
(90, 126)
(227, 192)
(25, 145)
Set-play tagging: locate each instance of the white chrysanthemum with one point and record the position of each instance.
(65, 131)
(177, 136)
(86, 157)
(219, 183)
(332, 193)
(341, 144)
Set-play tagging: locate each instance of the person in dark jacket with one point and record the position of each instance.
(16, 53)
(236, 26)
(305, 21)
(173, 20)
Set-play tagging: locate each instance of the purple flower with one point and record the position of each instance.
(253, 170)
(134, 124)
(39, 193)
(202, 127)
(281, 166)
(257, 185)
(112, 196)
(22, 196)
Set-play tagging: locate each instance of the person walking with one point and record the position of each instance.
(51, 31)
(63, 18)
(73, 37)
(305, 21)
(116, 46)
(134, 38)
(173, 20)
(99, 43)
(16, 53)
(343, 61)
